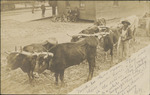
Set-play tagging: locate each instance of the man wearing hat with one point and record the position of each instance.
(126, 35)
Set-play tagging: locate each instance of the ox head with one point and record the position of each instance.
(17, 59)
(84, 31)
(100, 22)
(104, 34)
(11, 61)
(43, 61)
(48, 45)
(75, 38)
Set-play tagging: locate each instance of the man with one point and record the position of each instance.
(43, 9)
(76, 15)
(126, 35)
(33, 7)
(53, 4)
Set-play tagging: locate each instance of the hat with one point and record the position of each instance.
(125, 21)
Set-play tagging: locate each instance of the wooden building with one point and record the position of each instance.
(10, 4)
(90, 10)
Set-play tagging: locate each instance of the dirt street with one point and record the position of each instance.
(15, 33)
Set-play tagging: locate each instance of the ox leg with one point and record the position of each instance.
(91, 68)
(29, 75)
(117, 49)
(105, 58)
(62, 77)
(56, 77)
(89, 76)
(111, 53)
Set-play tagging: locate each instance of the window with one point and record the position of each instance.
(82, 4)
(115, 3)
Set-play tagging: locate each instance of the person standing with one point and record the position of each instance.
(53, 4)
(43, 9)
(33, 7)
(126, 35)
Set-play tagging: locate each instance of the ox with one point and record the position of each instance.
(110, 40)
(100, 22)
(73, 53)
(90, 30)
(26, 61)
(40, 47)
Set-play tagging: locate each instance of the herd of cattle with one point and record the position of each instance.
(57, 57)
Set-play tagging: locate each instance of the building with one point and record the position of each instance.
(10, 4)
(90, 10)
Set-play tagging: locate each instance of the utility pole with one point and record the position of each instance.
(149, 5)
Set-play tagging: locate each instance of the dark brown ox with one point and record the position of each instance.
(90, 30)
(25, 61)
(110, 40)
(28, 62)
(73, 53)
(43, 60)
(100, 22)
(40, 47)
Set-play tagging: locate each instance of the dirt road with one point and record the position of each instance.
(15, 33)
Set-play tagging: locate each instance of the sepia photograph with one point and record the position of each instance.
(95, 47)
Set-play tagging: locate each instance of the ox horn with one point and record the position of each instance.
(50, 54)
(7, 53)
(69, 35)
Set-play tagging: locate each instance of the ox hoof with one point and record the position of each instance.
(56, 83)
(36, 75)
(88, 79)
(111, 64)
(31, 82)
